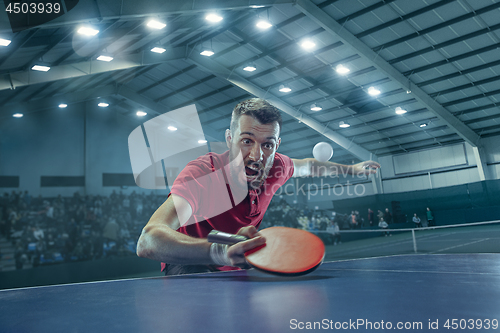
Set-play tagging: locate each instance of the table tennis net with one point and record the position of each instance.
(480, 237)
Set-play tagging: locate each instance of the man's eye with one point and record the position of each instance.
(268, 146)
(246, 141)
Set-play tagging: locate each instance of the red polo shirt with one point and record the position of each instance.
(204, 186)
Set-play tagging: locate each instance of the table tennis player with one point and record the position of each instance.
(249, 173)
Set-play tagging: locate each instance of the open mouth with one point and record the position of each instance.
(251, 171)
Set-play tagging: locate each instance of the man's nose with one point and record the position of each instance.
(256, 154)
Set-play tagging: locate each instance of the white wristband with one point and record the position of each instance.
(218, 254)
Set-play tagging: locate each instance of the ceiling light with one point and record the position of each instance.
(88, 31)
(158, 49)
(373, 91)
(40, 68)
(341, 69)
(257, 6)
(156, 25)
(172, 128)
(284, 89)
(202, 141)
(316, 107)
(104, 58)
(423, 125)
(141, 113)
(250, 68)
(17, 115)
(400, 110)
(4, 42)
(213, 18)
(207, 53)
(343, 124)
(308, 44)
(264, 25)
(103, 105)
(62, 105)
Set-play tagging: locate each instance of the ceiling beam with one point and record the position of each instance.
(333, 27)
(146, 58)
(159, 109)
(52, 102)
(131, 95)
(222, 72)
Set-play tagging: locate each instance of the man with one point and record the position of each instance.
(353, 221)
(176, 233)
(371, 218)
(416, 220)
(430, 217)
(388, 216)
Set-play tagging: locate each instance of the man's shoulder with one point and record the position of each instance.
(282, 167)
(209, 161)
(282, 160)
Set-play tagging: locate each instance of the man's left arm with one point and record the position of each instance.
(310, 167)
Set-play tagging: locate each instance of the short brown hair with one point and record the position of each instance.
(258, 109)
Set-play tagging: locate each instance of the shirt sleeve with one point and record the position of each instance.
(190, 184)
(284, 167)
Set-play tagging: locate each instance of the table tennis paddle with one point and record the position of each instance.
(287, 251)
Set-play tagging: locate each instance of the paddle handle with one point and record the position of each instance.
(220, 237)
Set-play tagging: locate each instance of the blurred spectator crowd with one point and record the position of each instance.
(65, 229)
(280, 213)
(46, 231)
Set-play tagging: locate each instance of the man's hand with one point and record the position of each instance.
(236, 252)
(365, 168)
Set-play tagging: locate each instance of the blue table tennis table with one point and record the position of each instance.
(412, 293)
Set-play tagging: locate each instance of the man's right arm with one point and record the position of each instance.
(160, 241)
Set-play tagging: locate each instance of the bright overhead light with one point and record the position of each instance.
(88, 31)
(104, 58)
(4, 42)
(156, 25)
(400, 110)
(373, 91)
(341, 69)
(141, 113)
(284, 89)
(172, 128)
(207, 53)
(250, 68)
(213, 18)
(40, 68)
(316, 107)
(423, 125)
(202, 141)
(343, 124)
(308, 44)
(62, 105)
(17, 115)
(103, 105)
(158, 49)
(263, 24)
(257, 6)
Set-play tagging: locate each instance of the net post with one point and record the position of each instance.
(414, 240)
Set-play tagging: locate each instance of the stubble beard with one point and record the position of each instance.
(258, 180)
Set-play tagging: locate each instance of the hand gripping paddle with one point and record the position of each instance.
(287, 251)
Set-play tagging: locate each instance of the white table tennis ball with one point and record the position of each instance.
(322, 151)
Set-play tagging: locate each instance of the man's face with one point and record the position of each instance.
(258, 144)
